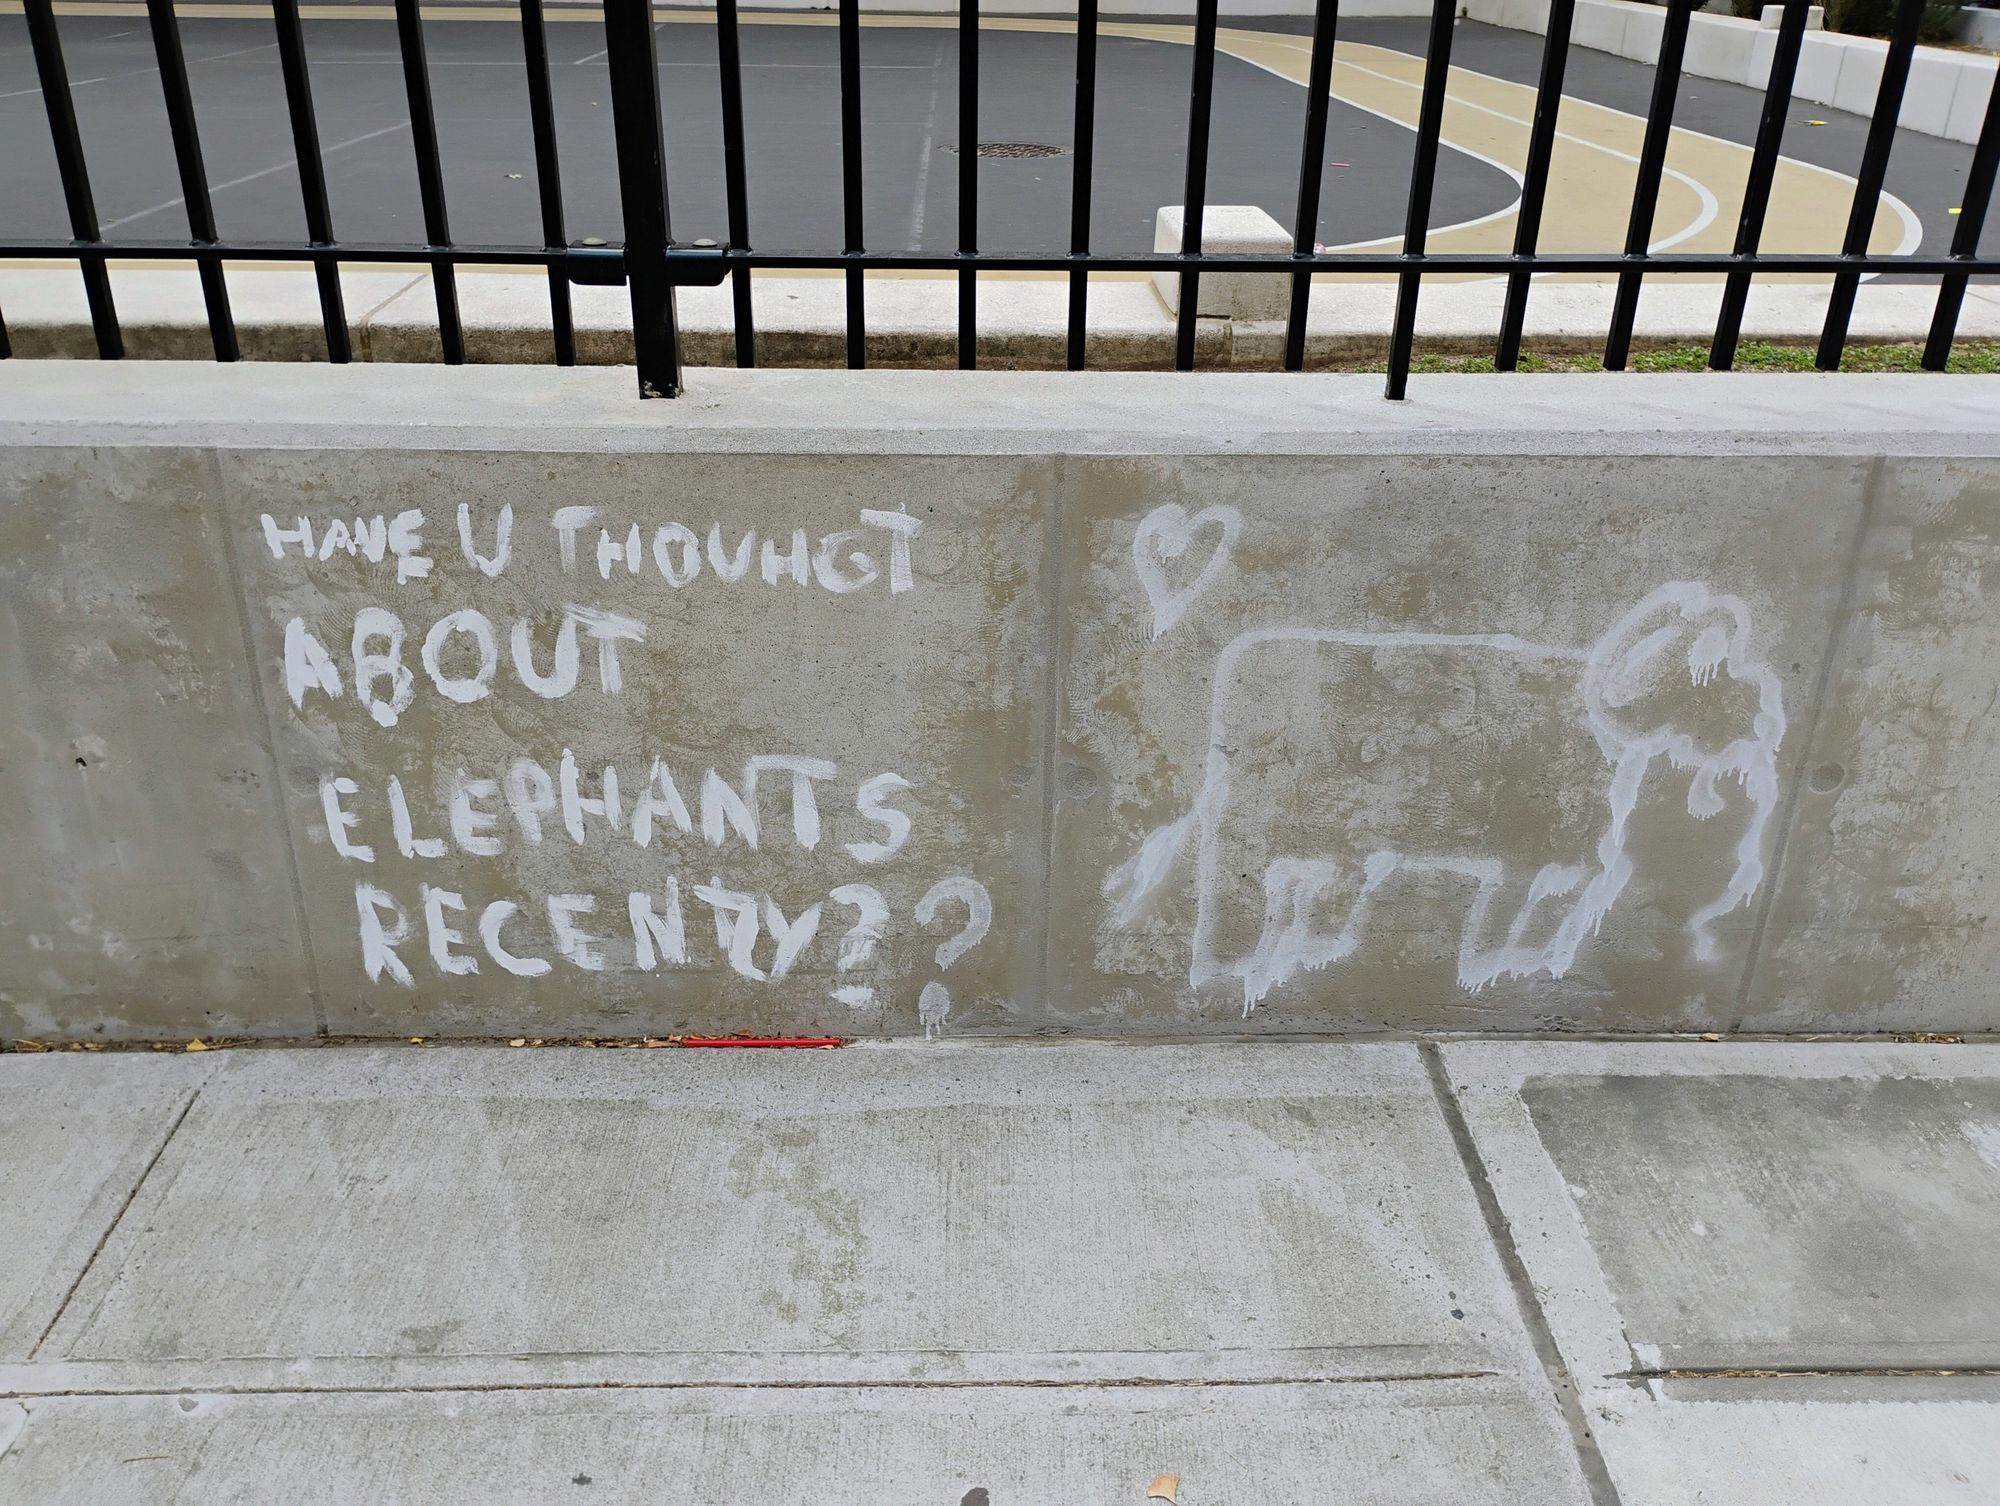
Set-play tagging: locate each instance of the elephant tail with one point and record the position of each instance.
(1130, 882)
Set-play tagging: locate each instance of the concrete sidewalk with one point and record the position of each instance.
(913, 320)
(1530, 1273)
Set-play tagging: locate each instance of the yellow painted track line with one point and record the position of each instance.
(1591, 173)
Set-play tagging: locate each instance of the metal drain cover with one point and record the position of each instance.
(1015, 149)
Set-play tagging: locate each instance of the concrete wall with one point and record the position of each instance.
(1617, 703)
(1946, 95)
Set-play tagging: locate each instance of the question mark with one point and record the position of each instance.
(857, 945)
(934, 1003)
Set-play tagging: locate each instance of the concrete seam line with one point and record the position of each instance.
(1562, 1383)
(117, 1218)
(13, 1421)
(364, 322)
(468, 1388)
(294, 877)
(1062, 478)
(1843, 611)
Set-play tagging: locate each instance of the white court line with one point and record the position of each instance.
(926, 151)
(262, 172)
(78, 83)
(1913, 230)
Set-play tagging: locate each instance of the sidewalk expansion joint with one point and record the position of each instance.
(1118, 1383)
(111, 1228)
(1590, 1459)
(1804, 1372)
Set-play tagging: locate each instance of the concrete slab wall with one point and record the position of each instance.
(1127, 705)
(1947, 91)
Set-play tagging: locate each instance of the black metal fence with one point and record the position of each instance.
(652, 264)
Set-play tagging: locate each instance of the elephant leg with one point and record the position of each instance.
(1511, 929)
(1313, 910)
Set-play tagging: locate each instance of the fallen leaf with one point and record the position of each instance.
(1953, 210)
(1710, 1035)
(196, 1045)
(520, 1041)
(416, 1040)
(1815, 122)
(1165, 1488)
(29, 1048)
(514, 175)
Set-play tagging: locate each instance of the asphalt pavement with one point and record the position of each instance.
(910, 130)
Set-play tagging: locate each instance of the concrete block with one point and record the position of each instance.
(1644, 26)
(1719, 47)
(1473, 1442)
(1860, 80)
(1874, 861)
(1763, 48)
(1977, 79)
(1599, 24)
(1771, 17)
(148, 889)
(1820, 62)
(1934, 77)
(1979, 26)
(1242, 228)
(809, 1223)
(78, 1132)
(1246, 624)
(1091, 591)
(823, 719)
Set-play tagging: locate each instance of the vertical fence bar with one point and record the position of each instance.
(54, 79)
(729, 57)
(1646, 188)
(642, 193)
(194, 174)
(968, 181)
(1975, 196)
(1194, 195)
(1757, 188)
(1868, 184)
(312, 173)
(1312, 167)
(1541, 145)
(548, 174)
(430, 177)
(850, 178)
(1080, 177)
(1423, 173)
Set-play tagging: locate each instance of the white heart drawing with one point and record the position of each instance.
(1164, 534)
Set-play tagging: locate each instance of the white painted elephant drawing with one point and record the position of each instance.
(1337, 760)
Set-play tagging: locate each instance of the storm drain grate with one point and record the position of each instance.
(1015, 149)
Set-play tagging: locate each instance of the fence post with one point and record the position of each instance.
(642, 191)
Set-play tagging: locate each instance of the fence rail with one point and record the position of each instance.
(652, 264)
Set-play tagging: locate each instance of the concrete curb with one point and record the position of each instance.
(912, 321)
